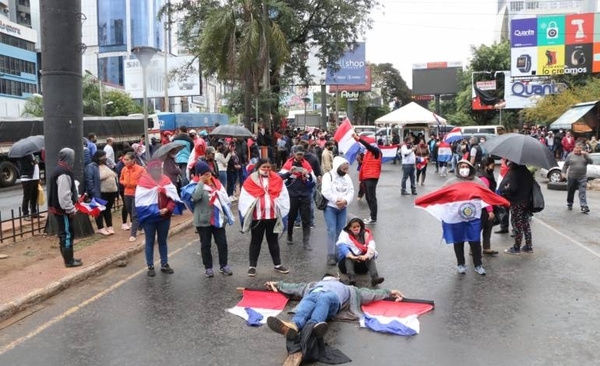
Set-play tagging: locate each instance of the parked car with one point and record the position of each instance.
(554, 174)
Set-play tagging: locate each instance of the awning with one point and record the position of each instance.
(574, 114)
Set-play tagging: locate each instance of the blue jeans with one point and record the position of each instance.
(580, 185)
(312, 211)
(335, 219)
(223, 178)
(316, 307)
(157, 230)
(408, 171)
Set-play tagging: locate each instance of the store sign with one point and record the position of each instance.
(520, 94)
(350, 96)
(16, 30)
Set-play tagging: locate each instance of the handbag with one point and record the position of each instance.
(320, 201)
(41, 197)
(537, 199)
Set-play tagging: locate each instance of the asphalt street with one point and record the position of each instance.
(532, 309)
(10, 200)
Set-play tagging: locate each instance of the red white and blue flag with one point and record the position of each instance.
(257, 305)
(454, 135)
(444, 152)
(146, 197)
(388, 153)
(346, 143)
(458, 206)
(93, 208)
(218, 200)
(399, 318)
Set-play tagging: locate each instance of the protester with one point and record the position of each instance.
(30, 180)
(171, 169)
(155, 201)
(184, 154)
(101, 182)
(443, 157)
(110, 152)
(407, 152)
(486, 174)
(466, 172)
(338, 189)
(568, 144)
(299, 179)
(234, 166)
(505, 221)
(62, 196)
(475, 152)
(314, 161)
(264, 202)
(357, 252)
(422, 155)
(130, 176)
(368, 176)
(327, 157)
(210, 216)
(323, 300)
(517, 187)
(118, 169)
(575, 170)
(140, 157)
(222, 162)
(91, 143)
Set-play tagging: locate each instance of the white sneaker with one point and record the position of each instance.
(103, 231)
(370, 221)
(480, 270)
(126, 227)
(462, 269)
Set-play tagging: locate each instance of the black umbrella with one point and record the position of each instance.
(231, 131)
(521, 149)
(26, 146)
(162, 152)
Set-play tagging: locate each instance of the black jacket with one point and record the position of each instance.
(517, 185)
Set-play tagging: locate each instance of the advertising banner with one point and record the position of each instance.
(483, 95)
(520, 94)
(354, 87)
(352, 67)
(555, 45)
(183, 71)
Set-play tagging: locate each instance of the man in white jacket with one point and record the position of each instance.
(338, 189)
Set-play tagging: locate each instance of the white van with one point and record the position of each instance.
(483, 130)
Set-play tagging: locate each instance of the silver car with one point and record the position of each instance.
(555, 176)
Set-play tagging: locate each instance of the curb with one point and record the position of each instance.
(11, 308)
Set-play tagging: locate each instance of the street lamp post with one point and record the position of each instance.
(144, 55)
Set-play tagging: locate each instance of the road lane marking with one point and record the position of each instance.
(85, 303)
(568, 237)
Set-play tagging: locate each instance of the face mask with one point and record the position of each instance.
(340, 172)
(464, 172)
(356, 231)
(264, 173)
(490, 170)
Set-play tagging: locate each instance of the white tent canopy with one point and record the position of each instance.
(411, 113)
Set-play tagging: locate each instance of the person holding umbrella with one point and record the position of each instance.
(517, 187)
(30, 179)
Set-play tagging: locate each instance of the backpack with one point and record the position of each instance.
(320, 201)
(537, 198)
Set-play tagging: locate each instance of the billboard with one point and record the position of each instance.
(436, 78)
(352, 67)
(483, 95)
(555, 44)
(520, 94)
(354, 87)
(183, 80)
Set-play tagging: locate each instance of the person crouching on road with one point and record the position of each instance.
(338, 189)
(62, 195)
(156, 200)
(264, 202)
(211, 213)
(575, 169)
(465, 171)
(357, 252)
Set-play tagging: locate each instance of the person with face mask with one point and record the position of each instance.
(575, 170)
(407, 151)
(422, 155)
(210, 216)
(130, 176)
(338, 189)
(62, 196)
(357, 252)
(263, 203)
(104, 186)
(465, 171)
(327, 157)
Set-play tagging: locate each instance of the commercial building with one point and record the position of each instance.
(514, 9)
(18, 62)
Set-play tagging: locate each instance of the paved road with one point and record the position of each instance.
(10, 200)
(535, 309)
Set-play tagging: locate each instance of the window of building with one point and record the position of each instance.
(15, 66)
(17, 42)
(16, 88)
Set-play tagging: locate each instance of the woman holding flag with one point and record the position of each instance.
(211, 213)
(263, 205)
(156, 199)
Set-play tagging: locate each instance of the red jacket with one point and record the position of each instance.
(568, 144)
(371, 167)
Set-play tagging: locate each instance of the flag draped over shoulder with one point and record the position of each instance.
(444, 152)
(399, 318)
(458, 206)
(146, 197)
(253, 197)
(218, 199)
(346, 143)
(257, 305)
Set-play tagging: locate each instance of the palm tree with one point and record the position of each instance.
(241, 42)
(34, 107)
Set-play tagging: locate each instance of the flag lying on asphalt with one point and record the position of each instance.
(257, 305)
(399, 318)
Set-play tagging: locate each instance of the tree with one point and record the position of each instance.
(553, 106)
(388, 78)
(34, 107)
(122, 104)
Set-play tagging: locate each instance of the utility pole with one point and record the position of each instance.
(166, 65)
(61, 22)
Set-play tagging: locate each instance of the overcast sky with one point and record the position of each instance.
(415, 31)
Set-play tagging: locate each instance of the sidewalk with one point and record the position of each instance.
(27, 286)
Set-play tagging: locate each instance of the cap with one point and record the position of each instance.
(201, 168)
(298, 149)
(192, 132)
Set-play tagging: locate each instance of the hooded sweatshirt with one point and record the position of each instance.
(459, 178)
(335, 186)
(62, 193)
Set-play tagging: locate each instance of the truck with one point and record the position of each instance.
(123, 129)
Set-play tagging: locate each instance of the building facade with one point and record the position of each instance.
(18, 63)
